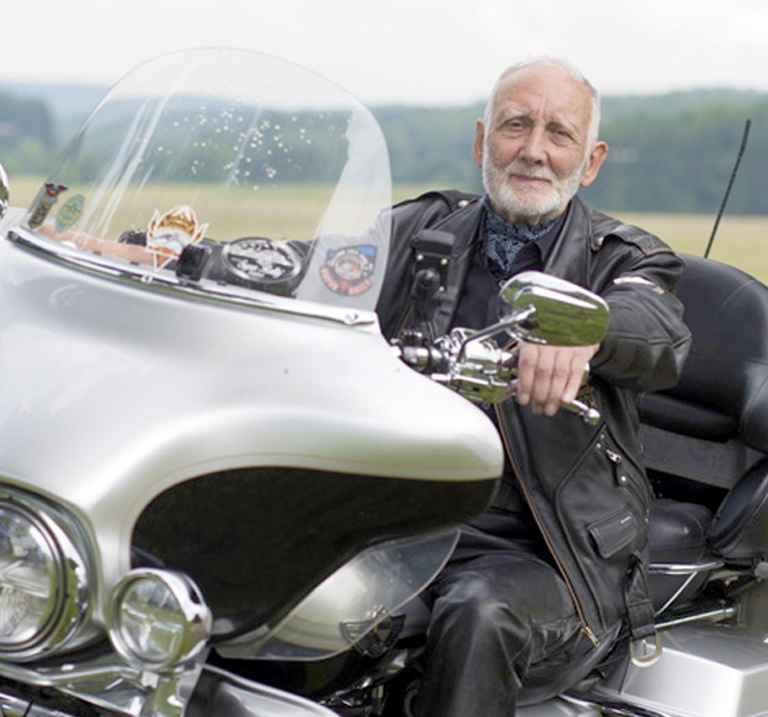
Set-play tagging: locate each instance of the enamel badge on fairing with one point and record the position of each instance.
(259, 259)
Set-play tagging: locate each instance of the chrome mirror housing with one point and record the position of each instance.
(4, 192)
(561, 313)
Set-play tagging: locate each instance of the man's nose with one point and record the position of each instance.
(534, 147)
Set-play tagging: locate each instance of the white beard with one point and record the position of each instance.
(533, 206)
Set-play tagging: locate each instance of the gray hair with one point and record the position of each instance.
(594, 118)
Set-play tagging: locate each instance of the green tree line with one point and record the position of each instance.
(669, 153)
(27, 135)
(676, 153)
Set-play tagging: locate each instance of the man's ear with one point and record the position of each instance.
(596, 158)
(477, 147)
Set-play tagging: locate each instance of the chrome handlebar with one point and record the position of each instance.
(472, 364)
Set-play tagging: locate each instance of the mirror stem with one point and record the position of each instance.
(514, 319)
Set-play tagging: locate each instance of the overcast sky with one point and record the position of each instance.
(406, 51)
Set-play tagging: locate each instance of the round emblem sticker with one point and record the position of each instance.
(348, 271)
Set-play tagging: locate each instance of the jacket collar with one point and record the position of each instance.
(570, 256)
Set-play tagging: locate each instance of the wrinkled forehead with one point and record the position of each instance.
(547, 92)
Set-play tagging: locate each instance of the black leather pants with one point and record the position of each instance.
(502, 618)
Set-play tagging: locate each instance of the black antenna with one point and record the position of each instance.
(730, 184)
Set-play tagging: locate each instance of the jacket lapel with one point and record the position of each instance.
(570, 256)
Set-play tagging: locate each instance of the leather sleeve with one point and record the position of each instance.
(647, 341)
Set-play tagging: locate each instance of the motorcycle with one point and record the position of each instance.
(223, 490)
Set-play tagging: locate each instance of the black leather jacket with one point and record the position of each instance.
(585, 485)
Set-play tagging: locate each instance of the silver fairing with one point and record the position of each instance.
(113, 394)
(192, 291)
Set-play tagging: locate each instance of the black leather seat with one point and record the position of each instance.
(681, 558)
(713, 426)
(723, 392)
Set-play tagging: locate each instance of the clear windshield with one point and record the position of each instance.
(233, 171)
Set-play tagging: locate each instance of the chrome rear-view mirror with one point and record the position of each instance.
(560, 312)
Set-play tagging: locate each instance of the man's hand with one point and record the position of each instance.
(549, 375)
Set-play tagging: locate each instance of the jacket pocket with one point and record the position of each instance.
(613, 533)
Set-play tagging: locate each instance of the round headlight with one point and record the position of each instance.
(43, 581)
(159, 619)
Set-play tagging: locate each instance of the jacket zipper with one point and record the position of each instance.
(621, 478)
(574, 597)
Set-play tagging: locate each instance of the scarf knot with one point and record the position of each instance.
(504, 240)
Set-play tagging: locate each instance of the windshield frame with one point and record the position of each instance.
(145, 278)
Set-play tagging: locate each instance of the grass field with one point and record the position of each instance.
(741, 240)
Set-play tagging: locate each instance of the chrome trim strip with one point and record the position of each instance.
(610, 706)
(682, 569)
(133, 274)
(714, 615)
(688, 571)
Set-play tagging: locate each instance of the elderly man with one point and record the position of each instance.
(542, 584)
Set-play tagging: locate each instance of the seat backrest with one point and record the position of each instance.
(724, 386)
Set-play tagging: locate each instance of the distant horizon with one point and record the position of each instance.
(102, 88)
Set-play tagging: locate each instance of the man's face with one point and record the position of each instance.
(535, 151)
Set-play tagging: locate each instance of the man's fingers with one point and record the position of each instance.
(560, 380)
(544, 375)
(550, 375)
(573, 386)
(526, 370)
